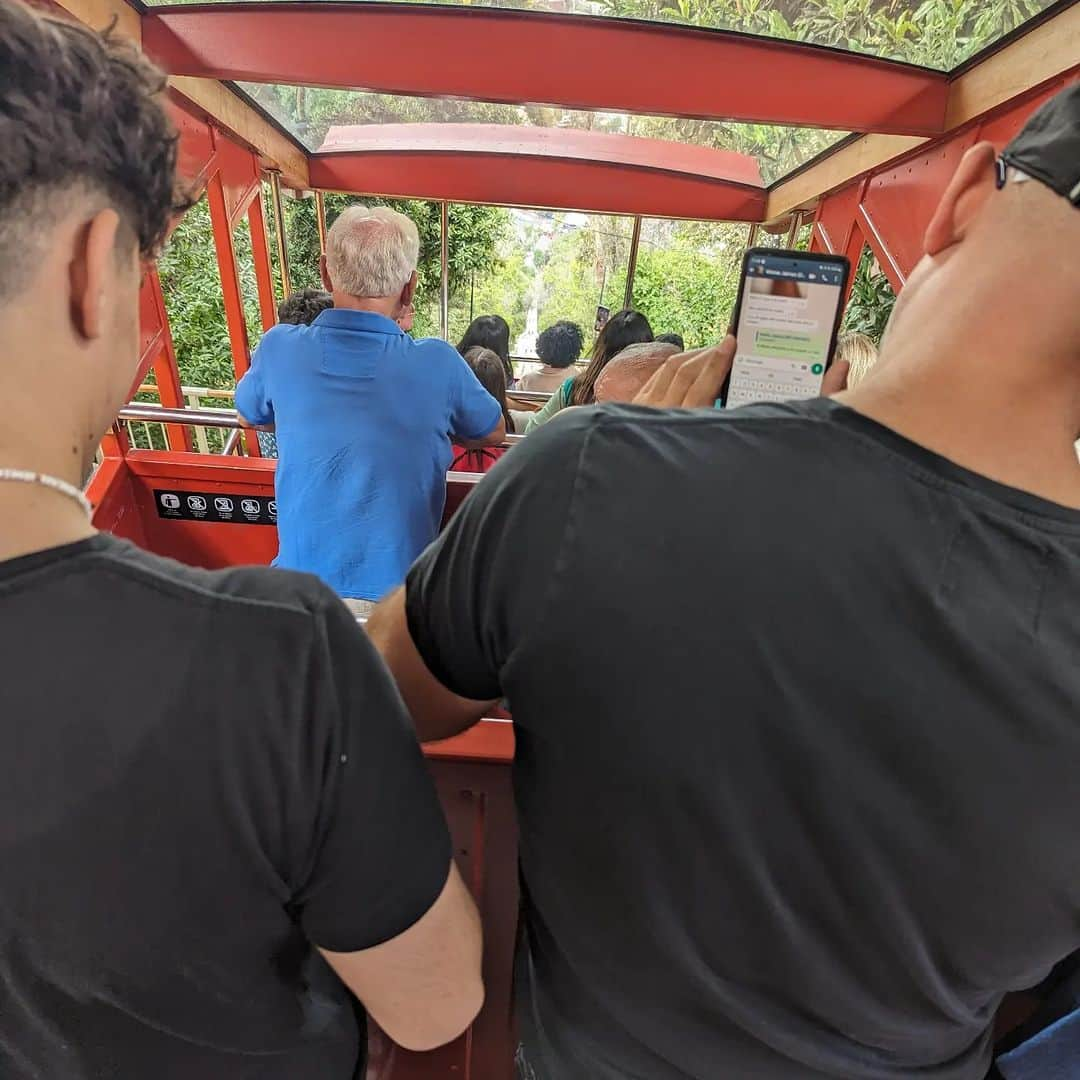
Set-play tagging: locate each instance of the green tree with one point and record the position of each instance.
(872, 299)
(477, 234)
(191, 284)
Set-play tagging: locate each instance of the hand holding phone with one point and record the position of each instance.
(787, 316)
(693, 380)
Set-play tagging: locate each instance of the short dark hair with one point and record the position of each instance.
(672, 339)
(560, 345)
(304, 307)
(78, 111)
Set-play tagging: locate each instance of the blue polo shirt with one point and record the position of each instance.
(364, 417)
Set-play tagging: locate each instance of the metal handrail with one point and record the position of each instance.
(204, 392)
(215, 418)
(231, 443)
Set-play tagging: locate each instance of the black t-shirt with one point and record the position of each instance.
(797, 707)
(200, 774)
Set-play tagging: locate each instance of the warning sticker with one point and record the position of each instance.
(216, 508)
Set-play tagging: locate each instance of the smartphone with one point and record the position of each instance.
(786, 319)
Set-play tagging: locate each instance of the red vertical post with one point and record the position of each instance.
(260, 251)
(166, 373)
(231, 291)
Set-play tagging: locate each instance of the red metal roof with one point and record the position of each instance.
(556, 168)
(575, 61)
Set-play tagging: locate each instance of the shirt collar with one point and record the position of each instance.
(350, 319)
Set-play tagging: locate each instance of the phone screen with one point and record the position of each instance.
(789, 312)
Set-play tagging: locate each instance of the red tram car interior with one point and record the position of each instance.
(876, 187)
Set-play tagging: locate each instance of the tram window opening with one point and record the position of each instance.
(195, 305)
(687, 276)
(872, 299)
(249, 289)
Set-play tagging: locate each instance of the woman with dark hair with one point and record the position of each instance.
(558, 347)
(624, 328)
(490, 332)
(487, 366)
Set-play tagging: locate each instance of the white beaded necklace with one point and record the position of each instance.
(25, 476)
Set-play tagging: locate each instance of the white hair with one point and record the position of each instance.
(371, 251)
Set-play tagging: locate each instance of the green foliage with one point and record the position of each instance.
(936, 33)
(686, 292)
(476, 233)
(872, 299)
(191, 284)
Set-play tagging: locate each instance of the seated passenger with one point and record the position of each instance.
(211, 797)
(488, 368)
(672, 339)
(795, 686)
(303, 307)
(557, 347)
(860, 352)
(626, 374)
(363, 415)
(490, 332)
(624, 328)
(299, 308)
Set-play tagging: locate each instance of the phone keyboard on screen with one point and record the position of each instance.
(745, 391)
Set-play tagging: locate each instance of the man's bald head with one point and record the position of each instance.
(628, 372)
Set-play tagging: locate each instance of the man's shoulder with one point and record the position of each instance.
(287, 335)
(256, 591)
(434, 350)
(633, 440)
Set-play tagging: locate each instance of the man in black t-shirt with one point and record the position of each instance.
(211, 798)
(796, 688)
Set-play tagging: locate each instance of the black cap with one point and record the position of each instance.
(1048, 148)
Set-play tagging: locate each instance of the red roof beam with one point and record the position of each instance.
(610, 64)
(551, 169)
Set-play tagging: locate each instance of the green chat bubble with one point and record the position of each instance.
(784, 345)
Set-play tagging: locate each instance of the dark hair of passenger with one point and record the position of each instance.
(80, 112)
(490, 332)
(487, 365)
(304, 307)
(673, 339)
(624, 328)
(560, 344)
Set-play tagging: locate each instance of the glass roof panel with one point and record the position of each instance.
(309, 113)
(939, 34)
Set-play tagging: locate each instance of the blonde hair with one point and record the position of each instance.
(860, 352)
(372, 251)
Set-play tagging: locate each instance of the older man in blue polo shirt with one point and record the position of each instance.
(364, 415)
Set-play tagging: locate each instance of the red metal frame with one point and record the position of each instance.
(260, 250)
(890, 208)
(602, 63)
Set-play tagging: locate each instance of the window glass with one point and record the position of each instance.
(310, 113)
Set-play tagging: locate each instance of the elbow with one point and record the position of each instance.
(440, 1024)
(498, 436)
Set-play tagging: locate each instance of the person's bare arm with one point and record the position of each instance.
(436, 712)
(423, 987)
(496, 437)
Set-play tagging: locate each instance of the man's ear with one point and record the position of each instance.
(324, 273)
(92, 268)
(970, 187)
(409, 291)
